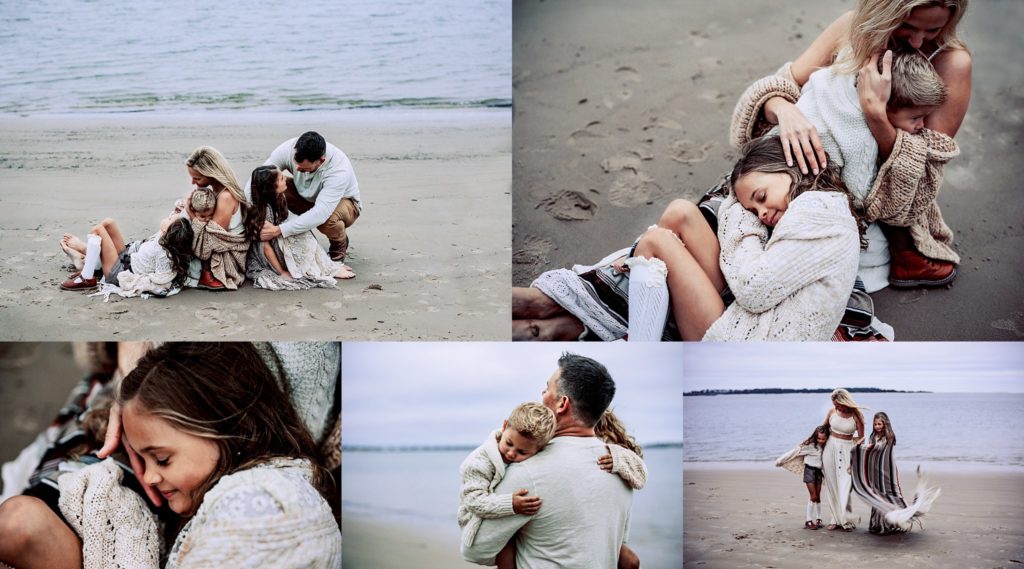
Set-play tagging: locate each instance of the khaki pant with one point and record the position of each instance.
(344, 215)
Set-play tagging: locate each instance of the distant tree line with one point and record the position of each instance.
(779, 390)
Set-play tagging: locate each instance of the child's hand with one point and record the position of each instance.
(605, 462)
(525, 505)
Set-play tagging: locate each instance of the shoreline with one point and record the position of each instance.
(943, 466)
(753, 518)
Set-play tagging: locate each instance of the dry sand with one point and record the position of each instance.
(377, 543)
(738, 518)
(619, 109)
(431, 250)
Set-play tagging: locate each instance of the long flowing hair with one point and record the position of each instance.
(177, 242)
(209, 162)
(264, 197)
(874, 22)
(224, 392)
(765, 155)
(843, 397)
(612, 431)
(887, 432)
(813, 439)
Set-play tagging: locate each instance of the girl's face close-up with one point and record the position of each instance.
(177, 462)
(822, 439)
(765, 194)
(879, 426)
(923, 24)
(281, 184)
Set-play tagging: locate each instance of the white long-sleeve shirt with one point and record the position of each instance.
(333, 181)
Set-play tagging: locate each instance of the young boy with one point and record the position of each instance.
(526, 432)
(830, 101)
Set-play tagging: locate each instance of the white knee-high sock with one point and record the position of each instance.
(92, 256)
(817, 510)
(810, 508)
(648, 299)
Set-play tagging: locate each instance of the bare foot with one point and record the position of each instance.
(345, 272)
(77, 259)
(74, 242)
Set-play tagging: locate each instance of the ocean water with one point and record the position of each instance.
(950, 428)
(423, 488)
(149, 55)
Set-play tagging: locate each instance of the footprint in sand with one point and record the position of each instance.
(684, 151)
(589, 131)
(1013, 324)
(627, 73)
(216, 316)
(627, 161)
(569, 205)
(533, 252)
(633, 189)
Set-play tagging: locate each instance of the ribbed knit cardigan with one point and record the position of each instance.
(795, 285)
(904, 190)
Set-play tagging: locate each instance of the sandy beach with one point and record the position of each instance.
(431, 257)
(610, 127)
(375, 542)
(753, 518)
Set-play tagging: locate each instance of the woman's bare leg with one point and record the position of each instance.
(696, 302)
(528, 302)
(31, 535)
(268, 252)
(564, 328)
(685, 220)
(108, 250)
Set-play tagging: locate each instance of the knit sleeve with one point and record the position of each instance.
(748, 120)
(629, 466)
(477, 474)
(808, 244)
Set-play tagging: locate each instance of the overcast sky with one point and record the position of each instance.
(929, 366)
(457, 392)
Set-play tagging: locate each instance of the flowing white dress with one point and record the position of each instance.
(836, 468)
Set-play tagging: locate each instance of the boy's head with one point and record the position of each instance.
(526, 431)
(917, 90)
(204, 201)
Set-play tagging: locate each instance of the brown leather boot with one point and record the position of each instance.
(910, 269)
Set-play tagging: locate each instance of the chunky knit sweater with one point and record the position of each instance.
(483, 469)
(795, 285)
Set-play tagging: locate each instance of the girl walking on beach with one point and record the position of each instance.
(877, 481)
(846, 425)
(156, 265)
(806, 459)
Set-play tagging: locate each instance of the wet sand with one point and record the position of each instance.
(374, 542)
(754, 518)
(429, 251)
(618, 111)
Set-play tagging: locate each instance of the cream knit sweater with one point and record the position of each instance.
(483, 469)
(795, 285)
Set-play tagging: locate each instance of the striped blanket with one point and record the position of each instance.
(877, 482)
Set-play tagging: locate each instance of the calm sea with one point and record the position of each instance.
(951, 428)
(149, 55)
(423, 488)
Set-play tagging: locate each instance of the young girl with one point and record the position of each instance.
(156, 265)
(295, 262)
(876, 480)
(806, 458)
(525, 433)
(223, 445)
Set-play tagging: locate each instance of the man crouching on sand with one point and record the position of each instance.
(583, 520)
(322, 189)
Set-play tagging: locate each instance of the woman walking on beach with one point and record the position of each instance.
(844, 422)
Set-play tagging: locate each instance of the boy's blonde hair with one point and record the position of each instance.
(533, 421)
(915, 83)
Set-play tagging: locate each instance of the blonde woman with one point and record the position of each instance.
(846, 423)
(854, 43)
(207, 167)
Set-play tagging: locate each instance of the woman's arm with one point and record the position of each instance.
(859, 419)
(226, 206)
(954, 66)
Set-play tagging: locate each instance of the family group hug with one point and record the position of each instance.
(834, 197)
(184, 455)
(850, 459)
(221, 234)
(553, 487)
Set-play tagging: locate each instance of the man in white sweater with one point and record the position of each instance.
(585, 515)
(322, 189)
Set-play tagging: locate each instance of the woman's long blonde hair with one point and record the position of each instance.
(874, 22)
(209, 162)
